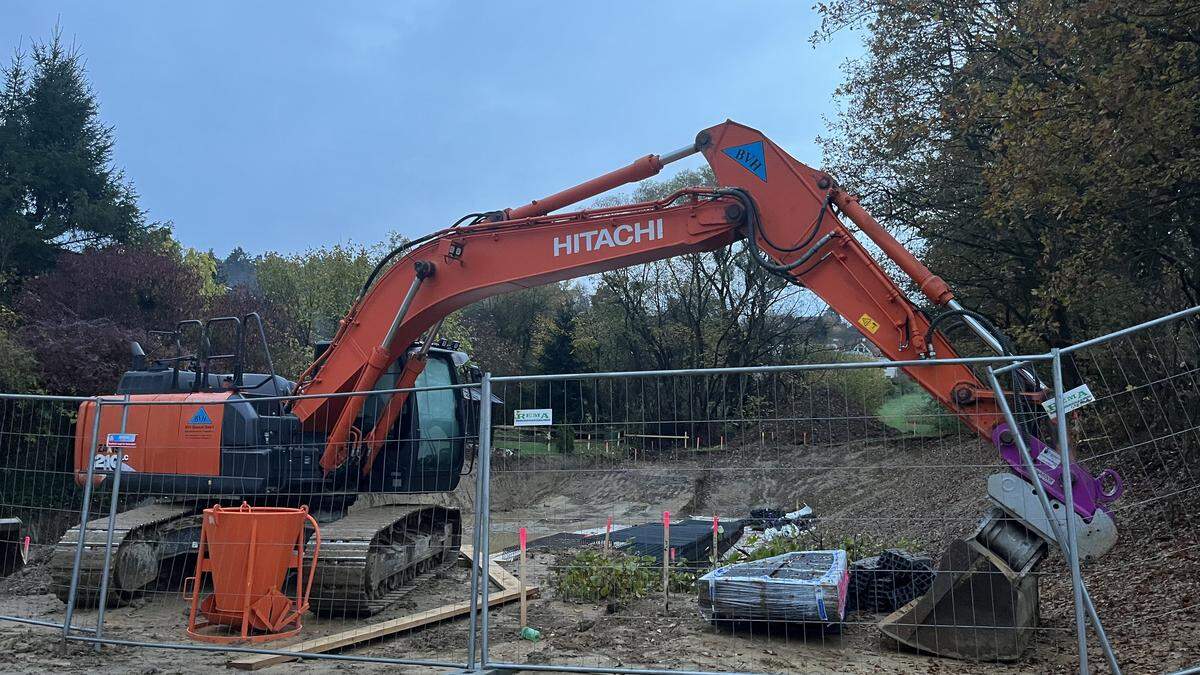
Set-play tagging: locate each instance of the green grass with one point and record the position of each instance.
(526, 448)
(531, 447)
(913, 414)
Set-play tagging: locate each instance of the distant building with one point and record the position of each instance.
(862, 349)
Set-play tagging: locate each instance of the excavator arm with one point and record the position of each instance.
(785, 210)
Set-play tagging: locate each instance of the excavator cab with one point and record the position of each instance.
(426, 449)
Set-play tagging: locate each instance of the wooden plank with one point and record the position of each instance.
(509, 592)
(502, 576)
(496, 573)
(374, 631)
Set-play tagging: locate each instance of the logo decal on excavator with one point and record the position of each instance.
(199, 426)
(201, 417)
(621, 235)
(751, 157)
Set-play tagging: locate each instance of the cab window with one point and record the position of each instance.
(437, 420)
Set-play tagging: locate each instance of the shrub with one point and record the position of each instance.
(599, 576)
(564, 439)
(934, 414)
(596, 576)
(857, 546)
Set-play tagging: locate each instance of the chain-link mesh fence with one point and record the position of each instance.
(851, 464)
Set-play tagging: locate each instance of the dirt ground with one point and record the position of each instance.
(1147, 590)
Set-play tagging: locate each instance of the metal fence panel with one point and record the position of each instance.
(587, 469)
(1143, 420)
(141, 540)
(39, 500)
(881, 465)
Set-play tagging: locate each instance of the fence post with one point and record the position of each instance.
(83, 518)
(1064, 450)
(112, 521)
(482, 510)
(666, 557)
(485, 419)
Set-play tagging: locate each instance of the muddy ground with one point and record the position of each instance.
(890, 489)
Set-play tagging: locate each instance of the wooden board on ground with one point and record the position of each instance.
(328, 643)
(496, 573)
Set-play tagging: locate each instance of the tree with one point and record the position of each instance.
(18, 366)
(308, 293)
(1041, 153)
(79, 330)
(557, 351)
(703, 310)
(557, 355)
(316, 287)
(502, 328)
(58, 187)
(238, 269)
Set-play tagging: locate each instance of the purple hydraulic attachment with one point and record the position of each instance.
(1090, 491)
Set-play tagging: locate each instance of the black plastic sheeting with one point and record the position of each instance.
(692, 539)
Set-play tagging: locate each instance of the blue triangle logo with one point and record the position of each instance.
(201, 417)
(751, 157)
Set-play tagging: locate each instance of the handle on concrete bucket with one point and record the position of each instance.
(312, 570)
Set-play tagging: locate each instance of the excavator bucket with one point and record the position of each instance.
(12, 546)
(983, 605)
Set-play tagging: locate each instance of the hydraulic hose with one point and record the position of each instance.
(1001, 338)
(383, 263)
(754, 229)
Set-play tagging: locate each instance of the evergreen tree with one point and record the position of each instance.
(557, 355)
(58, 187)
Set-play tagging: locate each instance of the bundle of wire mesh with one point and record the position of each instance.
(802, 586)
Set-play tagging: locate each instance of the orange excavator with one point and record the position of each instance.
(230, 436)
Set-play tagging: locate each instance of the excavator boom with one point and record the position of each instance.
(784, 208)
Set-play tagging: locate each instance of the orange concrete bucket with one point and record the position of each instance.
(247, 553)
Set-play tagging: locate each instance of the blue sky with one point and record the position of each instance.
(289, 125)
